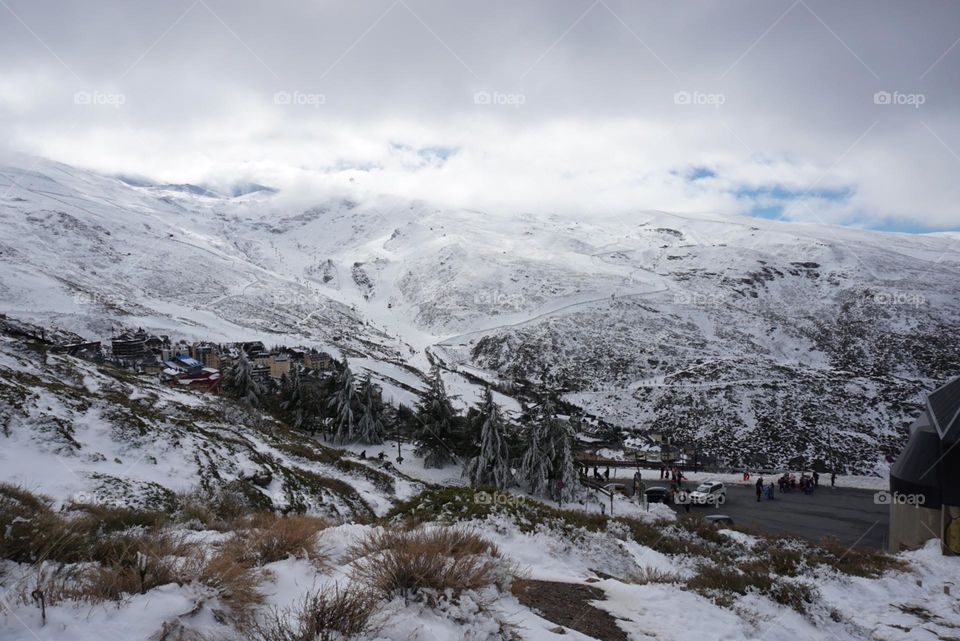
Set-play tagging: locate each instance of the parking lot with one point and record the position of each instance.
(850, 515)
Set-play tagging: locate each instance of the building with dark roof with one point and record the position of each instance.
(925, 479)
(129, 345)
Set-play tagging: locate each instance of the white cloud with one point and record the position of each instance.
(587, 120)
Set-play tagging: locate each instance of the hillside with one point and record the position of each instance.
(104, 436)
(758, 342)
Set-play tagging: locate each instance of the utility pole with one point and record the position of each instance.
(399, 454)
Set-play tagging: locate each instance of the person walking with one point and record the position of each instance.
(759, 489)
(816, 478)
(833, 479)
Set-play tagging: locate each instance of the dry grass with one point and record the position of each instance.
(855, 561)
(135, 564)
(647, 575)
(266, 537)
(236, 583)
(332, 614)
(427, 562)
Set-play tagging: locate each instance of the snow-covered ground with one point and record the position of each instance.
(908, 605)
(703, 325)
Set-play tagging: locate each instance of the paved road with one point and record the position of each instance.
(848, 514)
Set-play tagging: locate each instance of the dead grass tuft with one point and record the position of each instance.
(647, 575)
(332, 614)
(447, 560)
(266, 537)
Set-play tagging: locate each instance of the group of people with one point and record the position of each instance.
(806, 484)
(602, 477)
(788, 482)
(674, 474)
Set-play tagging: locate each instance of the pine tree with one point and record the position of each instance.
(370, 428)
(435, 416)
(344, 403)
(567, 480)
(240, 383)
(491, 465)
(548, 466)
(536, 466)
(293, 397)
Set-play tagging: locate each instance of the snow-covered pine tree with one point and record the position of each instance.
(370, 428)
(566, 484)
(435, 416)
(536, 465)
(548, 466)
(240, 383)
(344, 403)
(293, 403)
(491, 465)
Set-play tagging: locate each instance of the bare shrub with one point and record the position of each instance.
(646, 575)
(331, 614)
(236, 583)
(267, 537)
(440, 560)
(136, 563)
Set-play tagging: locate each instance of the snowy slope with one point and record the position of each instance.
(759, 340)
(74, 431)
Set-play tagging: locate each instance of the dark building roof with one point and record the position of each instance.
(943, 406)
(930, 462)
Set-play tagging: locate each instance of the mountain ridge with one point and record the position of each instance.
(732, 334)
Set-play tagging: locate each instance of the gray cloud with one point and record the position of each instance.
(559, 105)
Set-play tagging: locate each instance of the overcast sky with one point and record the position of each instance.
(768, 107)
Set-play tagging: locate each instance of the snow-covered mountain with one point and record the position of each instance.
(755, 340)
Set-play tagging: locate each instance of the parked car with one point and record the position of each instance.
(657, 495)
(719, 519)
(709, 493)
(615, 487)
